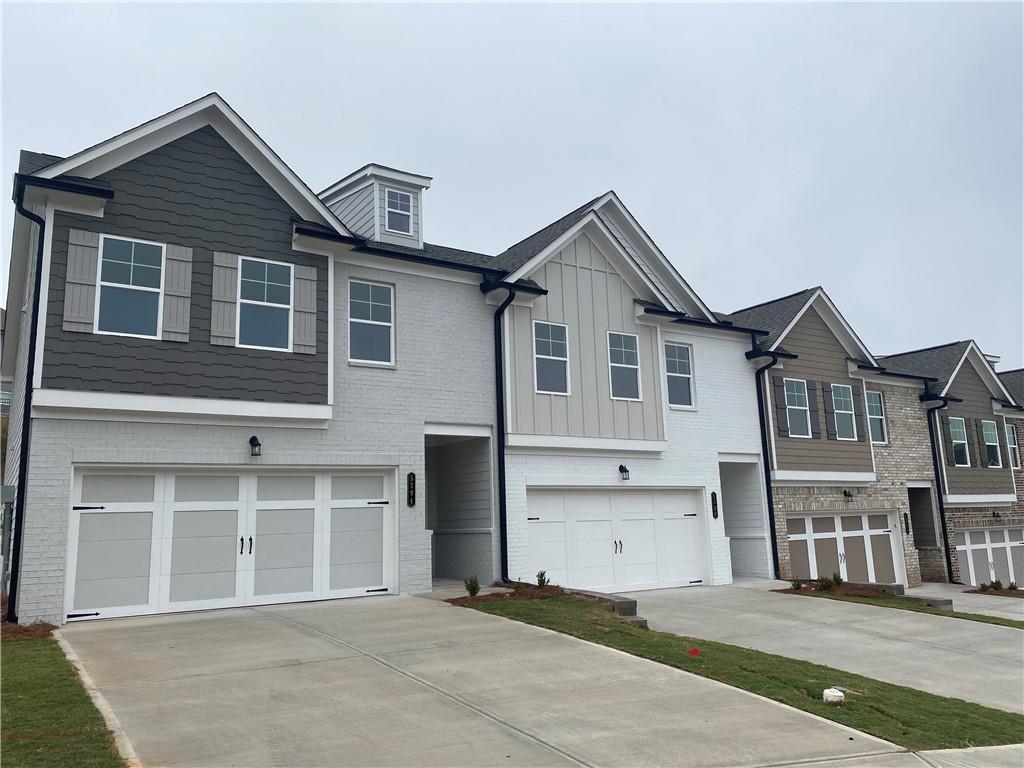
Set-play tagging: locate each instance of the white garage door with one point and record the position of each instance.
(989, 554)
(616, 540)
(153, 542)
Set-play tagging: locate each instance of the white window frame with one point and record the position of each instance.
(867, 407)
(391, 324)
(852, 412)
(639, 381)
(953, 441)
(568, 377)
(986, 444)
(693, 389)
(1012, 447)
(238, 304)
(160, 291)
(388, 209)
(806, 408)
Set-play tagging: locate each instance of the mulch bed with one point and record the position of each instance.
(997, 592)
(523, 593)
(840, 590)
(36, 631)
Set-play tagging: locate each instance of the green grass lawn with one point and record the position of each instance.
(907, 605)
(46, 717)
(904, 716)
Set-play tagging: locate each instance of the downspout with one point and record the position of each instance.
(936, 467)
(499, 400)
(765, 453)
(26, 410)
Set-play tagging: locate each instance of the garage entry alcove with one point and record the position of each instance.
(616, 539)
(146, 541)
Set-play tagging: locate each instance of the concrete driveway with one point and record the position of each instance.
(951, 657)
(973, 602)
(412, 681)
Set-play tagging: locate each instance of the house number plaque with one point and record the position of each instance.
(410, 489)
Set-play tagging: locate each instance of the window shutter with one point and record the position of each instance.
(304, 311)
(812, 409)
(858, 413)
(80, 281)
(177, 296)
(223, 309)
(982, 451)
(947, 442)
(830, 410)
(973, 440)
(781, 419)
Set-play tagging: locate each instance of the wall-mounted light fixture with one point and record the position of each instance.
(254, 446)
(624, 471)
(996, 515)
(847, 495)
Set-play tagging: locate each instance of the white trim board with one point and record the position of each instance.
(456, 430)
(979, 499)
(513, 440)
(825, 477)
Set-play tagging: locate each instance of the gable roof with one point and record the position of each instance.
(944, 362)
(774, 316)
(33, 162)
(1014, 383)
(518, 255)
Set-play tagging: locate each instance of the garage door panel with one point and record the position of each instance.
(979, 559)
(356, 575)
(193, 524)
(283, 581)
(92, 594)
(116, 526)
(115, 489)
(194, 587)
(206, 488)
(271, 522)
(1001, 564)
(1017, 560)
(284, 550)
(856, 559)
(285, 488)
(113, 559)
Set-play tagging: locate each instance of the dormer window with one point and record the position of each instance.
(399, 212)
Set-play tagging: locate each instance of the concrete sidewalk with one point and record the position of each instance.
(410, 681)
(947, 656)
(988, 605)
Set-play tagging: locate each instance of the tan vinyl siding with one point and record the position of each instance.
(976, 405)
(822, 359)
(589, 296)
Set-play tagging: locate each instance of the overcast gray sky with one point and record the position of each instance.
(873, 149)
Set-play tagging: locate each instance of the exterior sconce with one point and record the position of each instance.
(996, 515)
(847, 495)
(254, 446)
(624, 471)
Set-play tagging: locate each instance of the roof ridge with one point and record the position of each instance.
(924, 349)
(551, 223)
(1012, 370)
(772, 301)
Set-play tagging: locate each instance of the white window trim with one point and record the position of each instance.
(852, 412)
(159, 291)
(805, 408)
(999, 451)
(639, 380)
(1012, 446)
(965, 441)
(388, 209)
(693, 389)
(568, 378)
(391, 325)
(867, 408)
(238, 304)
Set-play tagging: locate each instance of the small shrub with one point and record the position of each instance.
(1012, 585)
(472, 586)
(796, 584)
(983, 587)
(542, 579)
(997, 584)
(824, 583)
(837, 579)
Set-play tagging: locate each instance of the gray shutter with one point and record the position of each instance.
(947, 442)
(973, 441)
(982, 451)
(858, 413)
(781, 418)
(304, 311)
(830, 410)
(812, 409)
(80, 281)
(177, 293)
(224, 307)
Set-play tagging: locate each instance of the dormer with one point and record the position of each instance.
(380, 203)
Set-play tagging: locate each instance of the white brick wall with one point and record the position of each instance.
(725, 421)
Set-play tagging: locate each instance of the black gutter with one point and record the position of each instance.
(936, 468)
(759, 376)
(499, 401)
(26, 405)
(887, 372)
(61, 185)
(683, 319)
(490, 285)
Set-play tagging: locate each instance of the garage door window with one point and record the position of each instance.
(624, 366)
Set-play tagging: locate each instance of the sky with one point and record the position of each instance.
(873, 149)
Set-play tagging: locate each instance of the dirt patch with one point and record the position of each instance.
(523, 593)
(997, 592)
(840, 590)
(37, 631)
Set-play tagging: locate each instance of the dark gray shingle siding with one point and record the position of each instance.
(197, 192)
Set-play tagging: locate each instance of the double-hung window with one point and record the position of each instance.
(265, 304)
(130, 282)
(842, 403)
(797, 412)
(1011, 446)
(876, 416)
(679, 368)
(958, 437)
(624, 366)
(550, 358)
(399, 212)
(991, 437)
(371, 327)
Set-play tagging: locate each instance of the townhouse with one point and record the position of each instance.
(229, 390)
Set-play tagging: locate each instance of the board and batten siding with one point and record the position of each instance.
(412, 239)
(356, 211)
(196, 193)
(976, 405)
(823, 360)
(589, 296)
